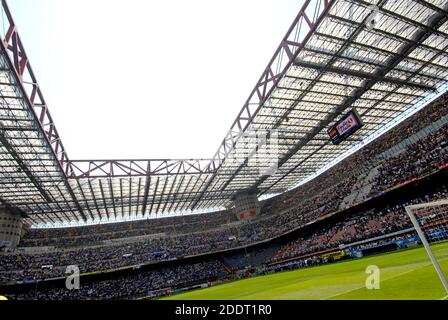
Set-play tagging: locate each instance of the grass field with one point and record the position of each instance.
(406, 274)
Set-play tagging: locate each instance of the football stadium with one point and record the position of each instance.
(331, 183)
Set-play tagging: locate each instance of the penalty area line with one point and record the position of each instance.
(444, 298)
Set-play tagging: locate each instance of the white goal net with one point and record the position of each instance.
(430, 220)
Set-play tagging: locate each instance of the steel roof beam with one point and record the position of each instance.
(323, 123)
(23, 167)
(85, 199)
(145, 196)
(388, 35)
(338, 95)
(53, 210)
(121, 198)
(371, 63)
(381, 50)
(363, 75)
(176, 193)
(213, 176)
(173, 183)
(348, 86)
(104, 201)
(271, 76)
(94, 198)
(189, 204)
(433, 7)
(138, 195)
(78, 169)
(16, 57)
(66, 203)
(182, 195)
(154, 195)
(130, 198)
(407, 48)
(111, 191)
(413, 22)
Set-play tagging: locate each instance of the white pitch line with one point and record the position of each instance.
(444, 298)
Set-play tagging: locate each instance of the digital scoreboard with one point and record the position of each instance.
(345, 127)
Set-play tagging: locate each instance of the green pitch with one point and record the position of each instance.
(403, 275)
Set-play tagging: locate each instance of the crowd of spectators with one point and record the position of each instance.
(367, 225)
(132, 286)
(420, 158)
(200, 234)
(101, 233)
(332, 181)
(325, 257)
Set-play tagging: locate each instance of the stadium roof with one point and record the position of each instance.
(382, 57)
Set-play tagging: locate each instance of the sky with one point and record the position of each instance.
(141, 79)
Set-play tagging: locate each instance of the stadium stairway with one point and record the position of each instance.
(226, 265)
(386, 155)
(350, 199)
(255, 257)
(363, 187)
(366, 186)
(360, 189)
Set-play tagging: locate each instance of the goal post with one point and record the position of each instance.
(430, 220)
